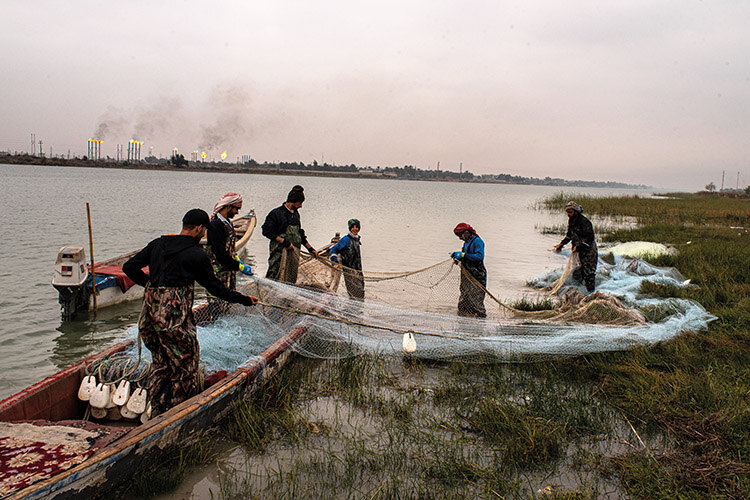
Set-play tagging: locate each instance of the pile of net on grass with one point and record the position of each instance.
(424, 302)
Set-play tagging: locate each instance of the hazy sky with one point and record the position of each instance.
(653, 92)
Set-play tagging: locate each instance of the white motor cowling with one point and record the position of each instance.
(70, 279)
(70, 267)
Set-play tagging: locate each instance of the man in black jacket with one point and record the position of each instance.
(284, 230)
(166, 324)
(581, 234)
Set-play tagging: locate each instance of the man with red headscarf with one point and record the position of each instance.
(221, 239)
(473, 272)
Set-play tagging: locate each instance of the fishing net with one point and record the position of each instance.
(423, 303)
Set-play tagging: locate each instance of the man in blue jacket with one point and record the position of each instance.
(347, 253)
(473, 272)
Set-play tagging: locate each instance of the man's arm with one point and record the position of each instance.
(270, 227)
(133, 268)
(477, 251)
(217, 239)
(585, 233)
(307, 244)
(338, 247)
(204, 274)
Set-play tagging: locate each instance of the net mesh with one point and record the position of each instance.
(424, 303)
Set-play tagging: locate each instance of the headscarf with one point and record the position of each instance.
(296, 195)
(575, 206)
(460, 228)
(229, 199)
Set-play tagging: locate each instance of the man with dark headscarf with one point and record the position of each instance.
(283, 228)
(473, 272)
(347, 253)
(166, 324)
(581, 234)
(221, 239)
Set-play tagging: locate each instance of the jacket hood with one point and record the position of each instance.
(173, 244)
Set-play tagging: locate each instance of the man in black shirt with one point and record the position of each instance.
(581, 234)
(166, 323)
(221, 240)
(283, 228)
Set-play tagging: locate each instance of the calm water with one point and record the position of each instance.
(405, 225)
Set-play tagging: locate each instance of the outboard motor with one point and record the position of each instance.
(70, 278)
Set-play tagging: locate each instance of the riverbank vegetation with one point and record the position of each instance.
(323, 169)
(667, 421)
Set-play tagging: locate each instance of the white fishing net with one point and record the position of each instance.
(424, 302)
(619, 316)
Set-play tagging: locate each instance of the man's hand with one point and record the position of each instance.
(245, 269)
(457, 255)
(313, 252)
(286, 243)
(558, 247)
(251, 301)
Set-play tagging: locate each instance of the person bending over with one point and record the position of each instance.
(166, 324)
(473, 272)
(581, 234)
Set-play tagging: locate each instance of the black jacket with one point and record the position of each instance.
(277, 221)
(581, 233)
(176, 260)
(217, 236)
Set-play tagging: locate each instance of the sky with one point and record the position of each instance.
(653, 92)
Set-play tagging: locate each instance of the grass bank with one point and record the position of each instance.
(694, 389)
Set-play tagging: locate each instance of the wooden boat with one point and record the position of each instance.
(126, 446)
(73, 280)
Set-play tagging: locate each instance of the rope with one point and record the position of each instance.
(117, 367)
(350, 322)
(476, 283)
(383, 276)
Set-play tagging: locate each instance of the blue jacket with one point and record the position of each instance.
(347, 251)
(473, 259)
(473, 249)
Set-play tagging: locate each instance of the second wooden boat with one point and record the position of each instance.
(75, 284)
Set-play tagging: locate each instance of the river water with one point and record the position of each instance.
(406, 225)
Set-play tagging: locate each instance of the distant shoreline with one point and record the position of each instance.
(310, 171)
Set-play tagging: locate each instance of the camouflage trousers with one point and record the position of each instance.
(167, 328)
(586, 274)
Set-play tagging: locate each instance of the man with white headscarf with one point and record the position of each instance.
(581, 234)
(221, 239)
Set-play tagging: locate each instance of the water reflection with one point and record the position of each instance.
(90, 333)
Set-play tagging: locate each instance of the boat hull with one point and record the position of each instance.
(110, 466)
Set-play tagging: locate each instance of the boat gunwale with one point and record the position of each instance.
(241, 379)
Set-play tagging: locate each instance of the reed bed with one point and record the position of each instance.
(671, 208)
